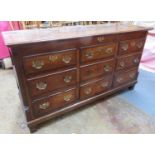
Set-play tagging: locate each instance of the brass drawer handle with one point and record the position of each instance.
(109, 50)
(89, 55)
(105, 84)
(67, 97)
(53, 58)
(66, 59)
(140, 44)
(124, 46)
(119, 79)
(100, 39)
(131, 75)
(44, 105)
(122, 63)
(37, 64)
(41, 85)
(88, 91)
(106, 68)
(67, 79)
(136, 60)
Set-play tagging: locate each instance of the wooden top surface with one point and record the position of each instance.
(66, 32)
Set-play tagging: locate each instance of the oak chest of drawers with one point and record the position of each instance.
(61, 69)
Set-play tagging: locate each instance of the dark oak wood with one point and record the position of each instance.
(54, 102)
(127, 61)
(80, 104)
(129, 46)
(49, 61)
(98, 52)
(62, 69)
(96, 69)
(125, 76)
(72, 32)
(96, 87)
(50, 82)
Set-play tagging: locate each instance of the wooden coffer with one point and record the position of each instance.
(61, 69)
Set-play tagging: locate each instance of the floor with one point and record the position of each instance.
(143, 94)
(117, 114)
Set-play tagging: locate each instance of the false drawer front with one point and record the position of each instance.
(125, 76)
(39, 63)
(41, 85)
(54, 102)
(128, 61)
(132, 35)
(94, 88)
(98, 52)
(102, 68)
(101, 39)
(134, 45)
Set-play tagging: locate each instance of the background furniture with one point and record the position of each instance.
(50, 24)
(5, 60)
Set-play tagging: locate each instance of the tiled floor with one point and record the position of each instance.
(114, 115)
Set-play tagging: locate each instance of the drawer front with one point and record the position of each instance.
(95, 70)
(129, 46)
(128, 61)
(39, 63)
(52, 82)
(102, 39)
(98, 52)
(94, 88)
(55, 102)
(132, 35)
(124, 77)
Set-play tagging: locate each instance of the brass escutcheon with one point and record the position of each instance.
(100, 39)
(53, 58)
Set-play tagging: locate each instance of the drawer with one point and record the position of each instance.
(49, 61)
(51, 82)
(54, 102)
(97, 39)
(132, 35)
(125, 77)
(134, 45)
(96, 87)
(102, 68)
(98, 52)
(128, 61)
